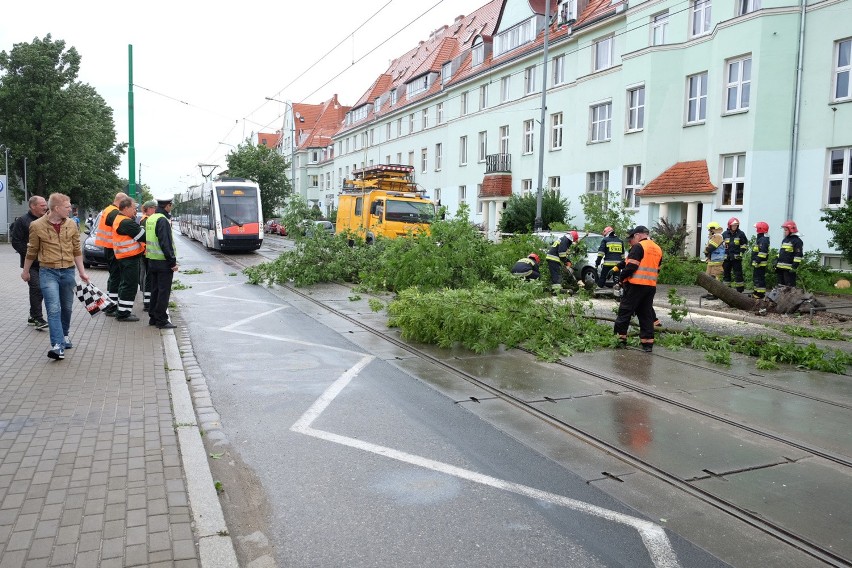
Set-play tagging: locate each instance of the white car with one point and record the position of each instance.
(582, 270)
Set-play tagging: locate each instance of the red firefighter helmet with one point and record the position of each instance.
(733, 220)
(534, 256)
(761, 227)
(791, 225)
(607, 231)
(575, 236)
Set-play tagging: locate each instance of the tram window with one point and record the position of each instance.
(359, 206)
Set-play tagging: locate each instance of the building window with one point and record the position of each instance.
(602, 53)
(483, 146)
(388, 131)
(843, 70)
(399, 157)
(411, 123)
(526, 187)
(372, 136)
(504, 139)
(636, 109)
(483, 97)
(659, 28)
(733, 180)
(477, 55)
(424, 114)
(478, 201)
(696, 103)
(529, 128)
(438, 196)
(554, 184)
(463, 109)
(558, 70)
(632, 185)
(411, 158)
(529, 80)
(700, 17)
(314, 181)
(601, 123)
(556, 131)
(347, 145)
(393, 97)
(462, 194)
(438, 154)
(424, 159)
(387, 159)
(439, 113)
(504, 88)
(399, 126)
(515, 36)
(739, 84)
(598, 183)
(839, 176)
(747, 6)
(463, 151)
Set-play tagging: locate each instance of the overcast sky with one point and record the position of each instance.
(202, 70)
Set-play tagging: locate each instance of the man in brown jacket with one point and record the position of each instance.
(55, 243)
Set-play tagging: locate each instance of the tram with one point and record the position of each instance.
(224, 214)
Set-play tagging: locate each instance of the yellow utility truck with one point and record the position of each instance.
(383, 201)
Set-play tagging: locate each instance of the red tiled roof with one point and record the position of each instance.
(681, 178)
(496, 185)
(320, 122)
(270, 139)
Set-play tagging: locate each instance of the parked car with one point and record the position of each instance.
(93, 255)
(586, 268)
(274, 227)
(310, 226)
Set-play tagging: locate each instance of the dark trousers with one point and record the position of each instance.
(555, 269)
(605, 270)
(786, 277)
(759, 278)
(161, 289)
(114, 279)
(637, 300)
(36, 297)
(735, 266)
(145, 281)
(128, 283)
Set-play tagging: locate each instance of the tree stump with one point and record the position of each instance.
(788, 300)
(725, 293)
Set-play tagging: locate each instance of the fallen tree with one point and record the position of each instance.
(780, 300)
(725, 293)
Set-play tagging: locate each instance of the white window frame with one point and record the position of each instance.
(483, 97)
(463, 151)
(738, 84)
(424, 159)
(463, 103)
(482, 146)
(438, 155)
(393, 97)
(597, 183)
(632, 185)
(526, 187)
(733, 182)
(411, 158)
(504, 139)
(747, 6)
(603, 51)
(424, 117)
(840, 178)
(529, 136)
(505, 85)
(696, 84)
(558, 72)
(478, 201)
(700, 17)
(554, 183)
(556, 130)
(477, 54)
(462, 194)
(636, 108)
(411, 123)
(600, 122)
(399, 127)
(529, 80)
(387, 131)
(439, 113)
(659, 28)
(842, 71)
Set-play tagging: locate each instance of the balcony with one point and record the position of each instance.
(498, 163)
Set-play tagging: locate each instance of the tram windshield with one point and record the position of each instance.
(409, 211)
(238, 206)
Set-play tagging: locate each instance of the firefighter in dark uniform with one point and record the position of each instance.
(736, 243)
(128, 240)
(104, 238)
(639, 279)
(759, 256)
(162, 262)
(789, 254)
(557, 258)
(527, 268)
(611, 252)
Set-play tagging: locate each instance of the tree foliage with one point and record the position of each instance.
(265, 166)
(63, 127)
(839, 223)
(519, 214)
(606, 210)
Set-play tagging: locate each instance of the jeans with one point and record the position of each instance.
(57, 287)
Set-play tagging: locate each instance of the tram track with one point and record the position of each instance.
(783, 534)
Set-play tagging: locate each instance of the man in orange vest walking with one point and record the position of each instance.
(104, 238)
(129, 246)
(639, 281)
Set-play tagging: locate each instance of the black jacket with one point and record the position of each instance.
(736, 243)
(19, 234)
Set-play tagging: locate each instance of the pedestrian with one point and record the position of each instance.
(54, 242)
(162, 262)
(128, 239)
(19, 234)
(639, 281)
(714, 252)
(527, 268)
(789, 254)
(759, 256)
(104, 238)
(90, 223)
(610, 252)
(736, 242)
(148, 209)
(557, 259)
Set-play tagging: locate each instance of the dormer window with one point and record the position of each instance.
(446, 71)
(478, 54)
(515, 36)
(420, 84)
(378, 104)
(393, 97)
(568, 13)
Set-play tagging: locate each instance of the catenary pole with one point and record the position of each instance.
(542, 124)
(131, 149)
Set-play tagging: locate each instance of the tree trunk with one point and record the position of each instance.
(725, 293)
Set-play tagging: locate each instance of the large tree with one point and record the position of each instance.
(519, 214)
(62, 126)
(265, 166)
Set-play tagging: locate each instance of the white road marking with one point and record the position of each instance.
(210, 294)
(251, 318)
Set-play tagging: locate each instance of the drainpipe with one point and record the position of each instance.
(794, 142)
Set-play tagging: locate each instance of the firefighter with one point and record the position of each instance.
(104, 238)
(759, 255)
(127, 240)
(789, 254)
(715, 253)
(557, 258)
(611, 252)
(527, 268)
(639, 279)
(736, 242)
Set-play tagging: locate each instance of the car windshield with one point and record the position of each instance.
(592, 242)
(410, 211)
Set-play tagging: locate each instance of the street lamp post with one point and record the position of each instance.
(538, 200)
(292, 142)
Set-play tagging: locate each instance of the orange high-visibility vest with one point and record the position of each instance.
(123, 245)
(103, 232)
(649, 267)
